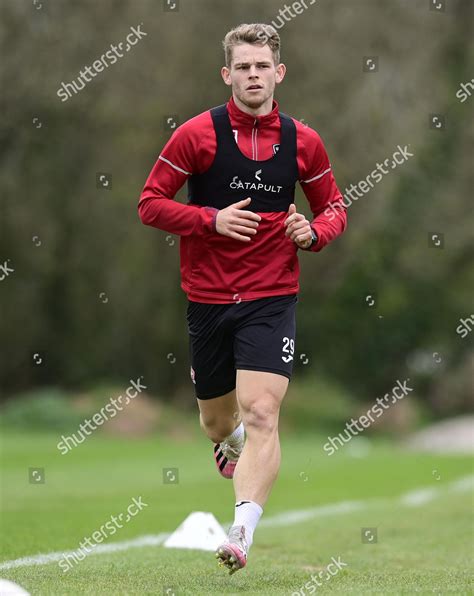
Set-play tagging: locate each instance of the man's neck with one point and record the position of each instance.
(262, 110)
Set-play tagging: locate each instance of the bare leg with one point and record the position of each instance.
(259, 396)
(219, 416)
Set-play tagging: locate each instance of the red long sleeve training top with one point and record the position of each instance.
(218, 269)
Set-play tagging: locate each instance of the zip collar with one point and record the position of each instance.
(244, 119)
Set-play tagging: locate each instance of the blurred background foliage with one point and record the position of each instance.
(95, 295)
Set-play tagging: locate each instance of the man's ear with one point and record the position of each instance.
(280, 73)
(225, 72)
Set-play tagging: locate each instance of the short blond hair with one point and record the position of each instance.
(256, 33)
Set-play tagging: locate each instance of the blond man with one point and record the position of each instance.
(240, 233)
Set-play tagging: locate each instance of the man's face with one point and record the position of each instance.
(253, 74)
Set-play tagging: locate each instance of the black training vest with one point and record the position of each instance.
(233, 177)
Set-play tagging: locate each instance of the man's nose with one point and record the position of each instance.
(253, 71)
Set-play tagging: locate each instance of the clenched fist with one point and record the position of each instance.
(236, 223)
(298, 228)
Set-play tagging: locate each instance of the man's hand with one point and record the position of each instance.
(237, 224)
(298, 228)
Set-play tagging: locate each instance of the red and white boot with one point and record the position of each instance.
(233, 552)
(227, 452)
(226, 458)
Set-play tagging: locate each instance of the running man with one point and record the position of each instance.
(239, 237)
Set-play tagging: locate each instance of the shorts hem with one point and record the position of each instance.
(284, 373)
(215, 393)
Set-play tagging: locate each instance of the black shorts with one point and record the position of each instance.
(250, 335)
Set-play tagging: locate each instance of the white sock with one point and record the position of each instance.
(236, 438)
(247, 514)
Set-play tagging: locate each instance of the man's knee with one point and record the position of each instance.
(260, 395)
(217, 428)
(261, 413)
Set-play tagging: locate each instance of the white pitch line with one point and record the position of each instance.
(462, 485)
(419, 497)
(289, 518)
(151, 540)
(413, 498)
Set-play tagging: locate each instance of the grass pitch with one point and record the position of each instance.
(391, 540)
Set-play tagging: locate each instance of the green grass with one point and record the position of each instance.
(425, 549)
